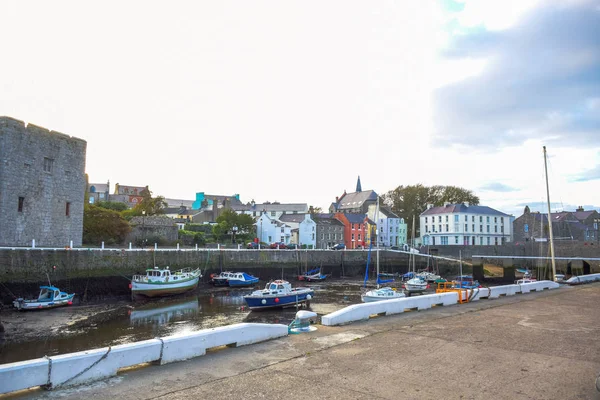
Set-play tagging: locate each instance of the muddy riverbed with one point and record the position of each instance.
(33, 334)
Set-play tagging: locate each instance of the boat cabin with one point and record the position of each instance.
(48, 293)
(278, 286)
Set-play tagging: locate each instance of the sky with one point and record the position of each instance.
(292, 101)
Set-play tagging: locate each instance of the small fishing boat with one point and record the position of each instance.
(49, 297)
(278, 294)
(384, 293)
(164, 282)
(428, 276)
(241, 279)
(416, 285)
(465, 282)
(527, 278)
(313, 275)
(221, 279)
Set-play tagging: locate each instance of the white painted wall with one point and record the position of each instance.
(453, 230)
(308, 232)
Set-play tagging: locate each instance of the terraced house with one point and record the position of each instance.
(462, 224)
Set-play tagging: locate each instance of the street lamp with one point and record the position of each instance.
(143, 228)
(233, 232)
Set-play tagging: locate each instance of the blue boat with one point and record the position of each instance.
(241, 279)
(465, 282)
(49, 297)
(278, 294)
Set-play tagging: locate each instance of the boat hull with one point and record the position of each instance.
(239, 283)
(412, 287)
(281, 301)
(370, 299)
(163, 289)
(42, 305)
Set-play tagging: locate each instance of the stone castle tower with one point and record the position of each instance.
(42, 186)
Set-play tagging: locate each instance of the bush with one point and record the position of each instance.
(204, 228)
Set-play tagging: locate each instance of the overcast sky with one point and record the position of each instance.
(291, 100)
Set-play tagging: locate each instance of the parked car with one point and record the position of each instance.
(252, 245)
(292, 246)
(339, 246)
(278, 245)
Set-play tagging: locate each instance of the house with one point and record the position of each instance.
(579, 225)
(130, 195)
(462, 224)
(206, 201)
(98, 192)
(392, 230)
(269, 230)
(357, 202)
(275, 209)
(307, 232)
(293, 220)
(42, 186)
(330, 231)
(355, 229)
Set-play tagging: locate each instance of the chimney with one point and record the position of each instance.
(466, 203)
(337, 199)
(429, 206)
(446, 204)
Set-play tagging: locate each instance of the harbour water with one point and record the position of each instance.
(207, 307)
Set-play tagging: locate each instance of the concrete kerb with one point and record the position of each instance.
(361, 312)
(92, 365)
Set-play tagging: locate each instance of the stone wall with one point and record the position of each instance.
(46, 169)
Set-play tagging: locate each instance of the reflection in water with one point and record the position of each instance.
(206, 308)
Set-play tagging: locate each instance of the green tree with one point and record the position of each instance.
(151, 205)
(312, 210)
(412, 200)
(103, 225)
(113, 205)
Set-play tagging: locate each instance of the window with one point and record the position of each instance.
(456, 218)
(391, 231)
(425, 219)
(440, 228)
(487, 219)
(481, 241)
(282, 231)
(282, 239)
(466, 218)
(21, 203)
(48, 163)
(466, 227)
(502, 229)
(495, 220)
(313, 236)
(446, 227)
(272, 213)
(488, 229)
(68, 209)
(480, 218)
(455, 239)
(473, 227)
(488, 241)
(322, 236)
(426, 230)
(481, 228)
(440, 218)
(446, 218)
(473, 218)
(444, 240)
(254, 213)
(496, 241)
(353, 236)
(495, 228)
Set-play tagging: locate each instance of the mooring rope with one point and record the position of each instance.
(49, 385)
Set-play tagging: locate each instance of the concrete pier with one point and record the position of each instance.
(540, 346)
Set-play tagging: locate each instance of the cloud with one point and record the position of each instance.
(498, 187)
(541, 81)
(589, 175)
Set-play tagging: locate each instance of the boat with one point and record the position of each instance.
(161, 314)
(527, 278)
(417, 283)
(384, 293)
(465, 282)
(379, 293)
(278, 294)
(164, 282)
(221, 279)
(241, 279)
(429, 276)
(313, 275)
(49, 297)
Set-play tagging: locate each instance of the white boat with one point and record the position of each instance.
(384, 293)
(380, 293)
(164, 282)
(417, 283)
(49, 297)
(428, 276)
(278, 294)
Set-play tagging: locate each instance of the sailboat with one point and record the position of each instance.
(418, 283)
(380, 293)
(550, 220)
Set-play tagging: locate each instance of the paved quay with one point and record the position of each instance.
(542, 345)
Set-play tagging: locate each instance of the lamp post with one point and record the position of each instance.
(233, 232)
(143, 228)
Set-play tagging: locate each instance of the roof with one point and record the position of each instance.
(355, 200)
(582, 215)
(355, 218)
(387, 212)
(298, 207)
(98, 187)
(461, 208)
(179, 202)
(295, 218)
(327, 219)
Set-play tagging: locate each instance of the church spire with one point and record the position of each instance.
(358, 186)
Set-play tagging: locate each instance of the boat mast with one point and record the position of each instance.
(550, 220)
(377, 238)
(412, 245)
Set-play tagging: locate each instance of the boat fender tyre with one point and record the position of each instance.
(308, 297)
(263, 301)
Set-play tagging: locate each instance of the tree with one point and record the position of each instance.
(228, 219)
(103, 225)
(151, 205)
(312, 210)
(113, 205)
(412, 200)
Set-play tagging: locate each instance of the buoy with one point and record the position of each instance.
(69, 302)
(264, 301)
(308, 297)
(276, 299)
(130, 286)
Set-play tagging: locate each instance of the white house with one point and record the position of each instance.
(307, 232)
(269, 230)
(391, 229)
(275, 210)
(462, 224)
